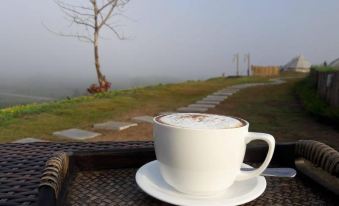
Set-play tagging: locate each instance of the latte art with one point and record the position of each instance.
(200, 121)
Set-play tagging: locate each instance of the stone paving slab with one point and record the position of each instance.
(241, 86)
(76, 134)
(214, 97)
(202, 105)
(261, 84)
(229, 90)
(213, 102)
(29, 140)
(226, 92)
(277, 81)
(223, 94)
(143, 119)
(113, 125)
(191, 109)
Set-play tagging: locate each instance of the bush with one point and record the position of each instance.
(324, 68)
(314, 104)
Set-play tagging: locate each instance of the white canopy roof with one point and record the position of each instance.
(335, 63)
(298, 62)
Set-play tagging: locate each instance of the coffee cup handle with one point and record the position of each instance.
(244, 175)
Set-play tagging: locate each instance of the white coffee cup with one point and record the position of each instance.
(205, 161)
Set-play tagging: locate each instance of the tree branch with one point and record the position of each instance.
(73, 6)
(77, 35)
(114, 31)
(90, 17)
(103, 22)
(70, 8)
(82, 22)
(107, 4)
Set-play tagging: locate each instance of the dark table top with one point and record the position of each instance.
(118, 187)
(21, 167)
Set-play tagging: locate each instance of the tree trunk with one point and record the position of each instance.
(101, 77)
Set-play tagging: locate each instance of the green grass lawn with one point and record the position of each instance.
(40, 120)
(276, 110)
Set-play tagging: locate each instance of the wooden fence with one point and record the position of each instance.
(265, 70)
(327, 84)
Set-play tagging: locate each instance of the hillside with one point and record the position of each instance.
(40, 120)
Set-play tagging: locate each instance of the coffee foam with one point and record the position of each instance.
(200, 121)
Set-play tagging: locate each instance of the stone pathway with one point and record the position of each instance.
(211, 102)
(143, 119)
(29, 140)
(217, 97)
(222, 94)
(202, 105)
(113, 125)
(214, 97)
(192, 109)
(76, 134)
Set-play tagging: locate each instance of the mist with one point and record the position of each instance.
(167, 41)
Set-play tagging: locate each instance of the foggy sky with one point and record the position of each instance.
(183, 39)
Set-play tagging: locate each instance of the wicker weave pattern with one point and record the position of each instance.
(55, 171)
(321, 155)
(118, 187)
(108, 187)
(21, 166)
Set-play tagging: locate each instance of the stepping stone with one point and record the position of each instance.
(166, 113)
(76, 134)
(241, 86)
(220, 95)
(214, 97)
(191, 109)
(233, 90)
(143, 119)
(202, 105)
(223, 93)
(212, 102)
(259, 84)
(29, 140)
(277, 81)
(247, 85)
(112, 125)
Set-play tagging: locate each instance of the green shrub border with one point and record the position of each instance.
(314, 104)
(324, 68)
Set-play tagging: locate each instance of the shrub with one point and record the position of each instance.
(314, 104)
(104, 86)
(324, 68)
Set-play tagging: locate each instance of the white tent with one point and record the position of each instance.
(298, 64)
(335, 63)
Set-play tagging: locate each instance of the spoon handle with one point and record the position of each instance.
(275, 172)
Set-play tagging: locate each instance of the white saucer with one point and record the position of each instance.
(149, 179)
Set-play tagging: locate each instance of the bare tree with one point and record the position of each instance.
(94, 16)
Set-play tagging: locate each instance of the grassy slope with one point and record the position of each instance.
(41, 120)
(276, 110)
